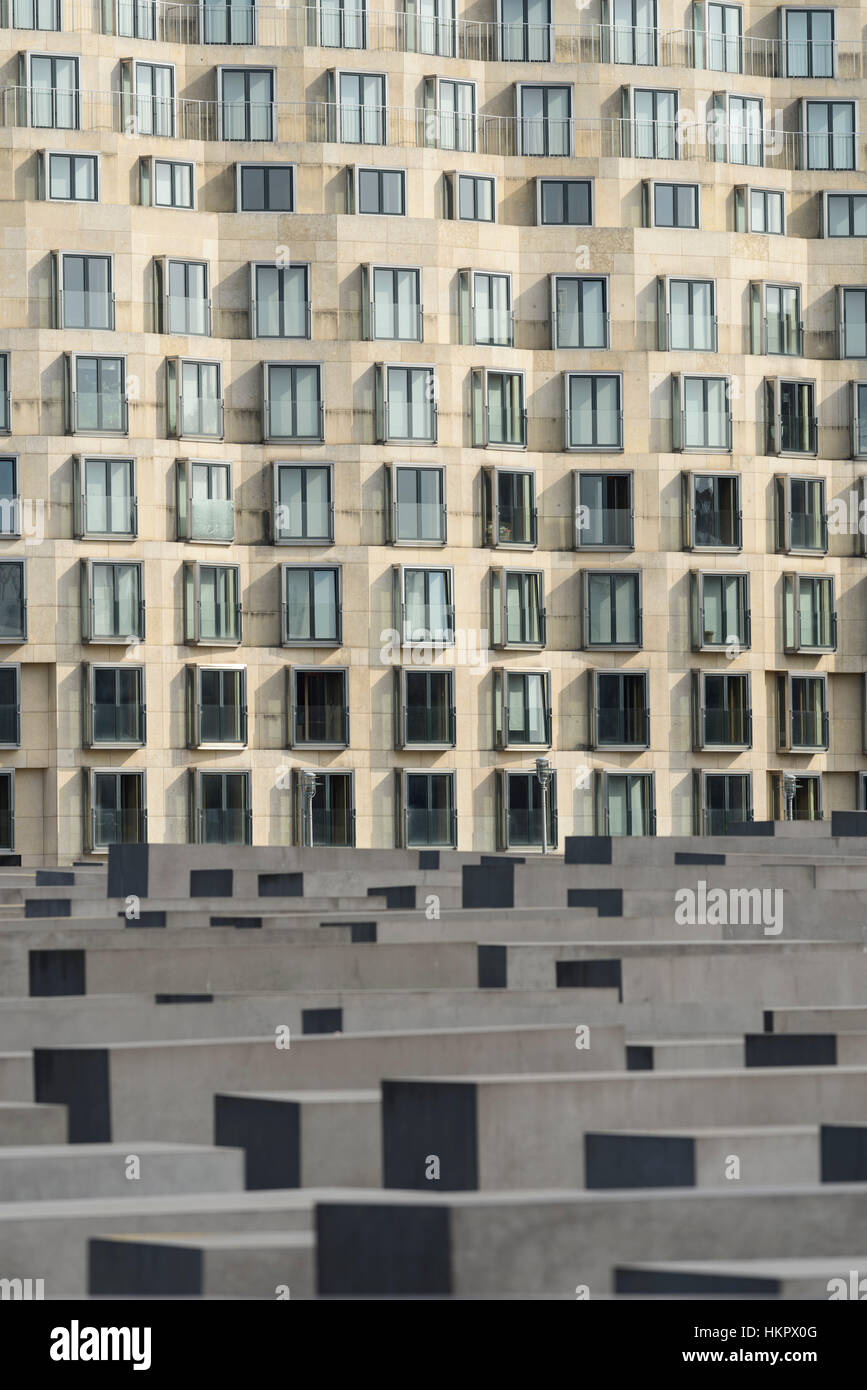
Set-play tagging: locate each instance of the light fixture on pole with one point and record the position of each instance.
(790, 782)
(543, 773)
(308, 791)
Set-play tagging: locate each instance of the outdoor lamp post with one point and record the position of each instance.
(543, 773)
(308, 791)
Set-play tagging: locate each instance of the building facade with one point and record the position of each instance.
(407, 396)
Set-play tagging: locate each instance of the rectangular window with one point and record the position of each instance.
(830, 135)
(846, 214)
(228, 21)
(723, 801)
(216, 706)
(54, 92)
(221, 808)
(280, 300)
(168, 183)
(579, 311)
(343, 23)
(517, 608)
(362, 105)
(10, 705)
(246, 102)
(809, 43)
(522, 805)
(722, 712)
(545, 119)
(852, 310)
(499, 414)
(701, 413)
(619, 709)
(594, 411)
(212, 603)
(425, 708)
(265, 188)
(115, 811)
(791, 417)
(476, 198)
(712, 511)
(303, 504)
(564, 202)
(153, 111)
(10, 496)
(135, 19)
(760, 210)
(13, 601)
(802, 713)
(738, 133)
(416, 509)
(7, 810)
(112, 601)
(524, 31)
(183, 292)
(809, 619)
(424, 605)
(720, 606)
(453, 107)
(35, 14)
(654, 125)
(105, 497)
(775, 315)
(114, 706)
(197, 413)
(427, 814)
(294, 408)
(509, 507)
(675, 205)
(70, 177)
(633, 36)
(625, 803)
(311, 605)
(5, 407)
(406, 404)
(858, 418)
(96, 399)
(612, 608)
(802, 524)
(391, 304)
(318, 707)
(690, 322)
(204, 501)
(603, 510)
(485, 308)
(85, 291)
(330, 817)
(522, 708)
(381, 191)
(724, 38)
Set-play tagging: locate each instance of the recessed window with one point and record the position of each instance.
(195, 398)
(114, 809)
(415, 505)
(280, 300)
(720, 610)
(809, 47)
(724, 38)
(205, 506)
(712, 511)
(342, 23)
(212, 603)
(406, 407)
(310, 604)
(330, 818)
(293, 406)
(303, 504)
(105, 497)
(216, 706)
(738, 129)
(802, 713)
(112, 601)
(517, 608)
(687, 315)
(69, 177)
(221, 808)
(564, 202)
(380, 191)
(95, 394)
(701, 413)
(424, 607)
(829, 135)
(10, 704)
(471, 197)
(182, 293)
(619, 709)
(791, 416)
(809, 619)
(245, 98)
(522, 708)
(579, 311)
(135, 19)
(760, 210)
(10, 496)
(625, 803)
(802, 524)
(524, 31)
(852, 319)
(604, 515)
(485, 308)
(612, 608)
(452, 105)
(499, 413)
(114, 708)
(426, 809)
(593, 413)
(35, 14)
(265, 188)
(54, 91)
(318, 706)
(391, 304)
(654, 129)
(633, 37)
(806, 800)
(85, 297)
(523, 808)
(5, 407)
(148, 98)
(858, 418)
(424, 708)
(360, 107)
(544, 119)
(13, 601)
(721, 710)
(228, 21)
(674, 204)
(845, 214)
(509, 507)
(723, 801)
(775, 319)
(168, 183)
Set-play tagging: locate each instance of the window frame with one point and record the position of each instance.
(698, 632)
(114, 639)
(81, 529)
(354, 172)
(540, 182)
(679, 413)
(743, 195)
(786, 712)
(842, 327)
(401, 707)
(784, 512)
(702, 811)
(293, 671)
(602, 809)
(521, 121)
(581, 280)
(18, 638)
(369, 272)
(689, 479)
(15, 668)
(830, 193)
(501, 676)
(773, 399)
(491, 475)
(193, 635)
(759, 311)
(175, 396)
(89, 671)
(91, 809)
(268, 436)
(700, 741)
(193, 688)
(635, 573)
(324, 775)
(480, 407)
(307, 302)
(504, 778)
(75, 93)
(247, 73)
(335, 569)
(448, 637)
(392, 505)
(59, 259)
(578, 475)
(467, 308)
(595, 675)
(453, 195)
(382, 404)
(664, 288)
(533, 587)
(276, 468)
(184, 471)
(593, 448)
(242, 165)
(649, 191)
(831, 136)
(792, 581)
(402, 837)
(44, 174)
(197, 810)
